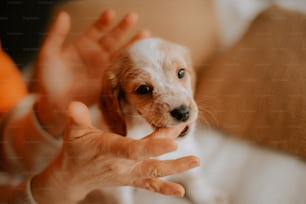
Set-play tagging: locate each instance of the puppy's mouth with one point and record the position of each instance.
(183, 133)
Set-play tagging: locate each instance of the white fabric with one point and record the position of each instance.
(247, 173)
(23, 194)
(28, 147)
(235, 16)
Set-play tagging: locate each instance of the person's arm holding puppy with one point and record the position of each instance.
(92, 159)
(65, 72)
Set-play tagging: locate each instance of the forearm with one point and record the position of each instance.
(26, 147)
(53, 186)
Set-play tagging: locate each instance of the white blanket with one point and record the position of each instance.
(249, 174)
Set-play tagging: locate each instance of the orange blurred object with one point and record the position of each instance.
(12, 86)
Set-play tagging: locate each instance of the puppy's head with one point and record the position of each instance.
(154, 77)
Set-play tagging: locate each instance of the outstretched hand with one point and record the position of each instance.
(92, 159)
(74, 71)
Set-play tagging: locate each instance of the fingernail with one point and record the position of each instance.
(109, 14)
(132, 17)
(179, 192)
(195, 162)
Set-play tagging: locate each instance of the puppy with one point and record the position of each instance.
(153, 79)
(151, 86)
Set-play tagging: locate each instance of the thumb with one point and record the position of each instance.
(79, 119)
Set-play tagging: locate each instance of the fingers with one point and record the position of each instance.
(113, 39)
(57, 34)
(159, 186)
(151, 168)
(152, 148)
(98, 28)
(139, 149)
(79, 114)
(167, 132)
(79, 119)
(138, 36)
(155, 144)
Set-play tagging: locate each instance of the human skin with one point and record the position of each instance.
(73, 71)
(92, 159)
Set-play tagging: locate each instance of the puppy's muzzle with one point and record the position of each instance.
(181, 113)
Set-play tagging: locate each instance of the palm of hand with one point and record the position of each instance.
(78, 71)
(75, 71)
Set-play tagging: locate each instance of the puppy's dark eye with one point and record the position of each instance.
(181, 73)
(144, 90)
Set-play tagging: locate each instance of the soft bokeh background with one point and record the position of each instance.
(252, 167)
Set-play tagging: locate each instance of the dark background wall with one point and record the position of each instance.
(22, 27)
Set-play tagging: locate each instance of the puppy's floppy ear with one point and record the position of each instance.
(110, 106)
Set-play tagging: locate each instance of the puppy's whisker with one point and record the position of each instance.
(205, 113)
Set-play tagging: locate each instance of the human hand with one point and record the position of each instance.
(92, 159)
(74, 71)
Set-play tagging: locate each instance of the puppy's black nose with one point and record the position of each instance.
(181, 113)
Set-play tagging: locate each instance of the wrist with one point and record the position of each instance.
(53, 186)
